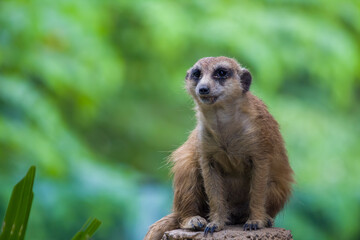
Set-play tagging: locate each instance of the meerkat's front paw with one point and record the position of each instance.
(194, 223)
(258, 224)
(212, 227)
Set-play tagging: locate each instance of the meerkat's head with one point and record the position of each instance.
(213, 80)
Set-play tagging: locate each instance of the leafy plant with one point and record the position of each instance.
(87, 230)
(18, 211)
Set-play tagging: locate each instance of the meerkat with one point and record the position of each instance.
(233, 169)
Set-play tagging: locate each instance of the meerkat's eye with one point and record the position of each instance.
(221, 73)
(196, 74)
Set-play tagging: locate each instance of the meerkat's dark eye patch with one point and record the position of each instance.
(222, 73)
(196, 74)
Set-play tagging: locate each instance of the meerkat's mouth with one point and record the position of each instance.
(209, 99)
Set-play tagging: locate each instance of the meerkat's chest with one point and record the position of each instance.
(232, 138)
(228, 154)
(227, 137)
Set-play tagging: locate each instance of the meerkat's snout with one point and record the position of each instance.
(204, 90)
(205, 95)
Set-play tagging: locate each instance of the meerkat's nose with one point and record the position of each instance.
(203, 90)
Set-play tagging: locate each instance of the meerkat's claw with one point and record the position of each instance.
(251, 226)
(212, 230)
(206, 231)
(257, 224)
(254, 226)
(209, 229)
(194, 223)
(199, 226)
(212, 227)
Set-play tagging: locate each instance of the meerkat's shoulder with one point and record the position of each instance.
(254, 103)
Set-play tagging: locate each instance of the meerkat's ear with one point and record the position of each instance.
(245, 78)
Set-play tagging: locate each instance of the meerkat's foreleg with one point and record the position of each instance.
(214, 189)
(258, 217)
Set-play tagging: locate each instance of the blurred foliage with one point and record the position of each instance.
(91, 92)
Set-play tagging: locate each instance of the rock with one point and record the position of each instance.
(231, 232)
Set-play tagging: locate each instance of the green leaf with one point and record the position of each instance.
(87, 230)
(17, 213)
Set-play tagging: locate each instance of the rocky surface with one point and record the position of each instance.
(231, 232)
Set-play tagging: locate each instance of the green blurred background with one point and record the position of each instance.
(91, 92)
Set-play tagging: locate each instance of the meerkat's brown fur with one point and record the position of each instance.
(233, 169)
